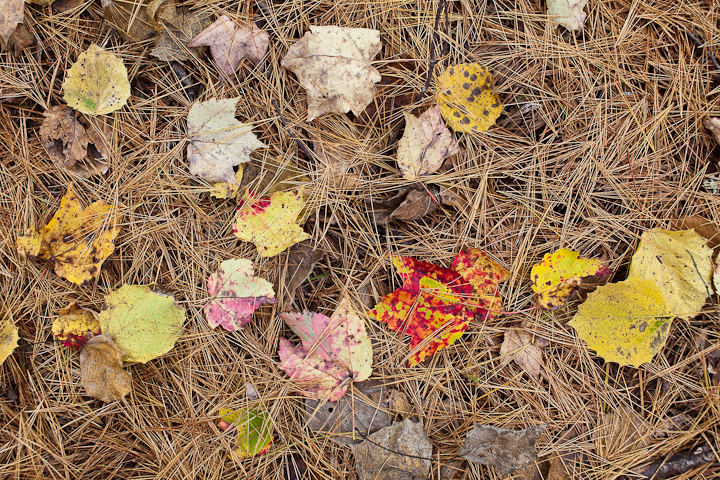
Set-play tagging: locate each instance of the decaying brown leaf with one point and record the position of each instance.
(713, 126)
(179, 26)
(621, 431)
(101, 367)
(502, 448)
(63, 6)
(11, 15)
(333, 65)
(702, 226)
(525, 348)
(398, 452)
(452, 197)
(229, 43)
(131, 18)
(425, 144)
(409, 204)
(66, 136)
(272, 175)
(300, 263)
(20, 39)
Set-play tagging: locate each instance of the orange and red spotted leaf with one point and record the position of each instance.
(560, 274)
(485, 276)
(431, 307)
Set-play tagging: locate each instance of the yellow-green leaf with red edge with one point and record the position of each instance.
(431, 306)
(560, 274)
(75, 326)
(485, 276)
(254, 430)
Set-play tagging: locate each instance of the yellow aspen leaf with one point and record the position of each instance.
(466, 98)
(560, 274)
(97, 83)
(78, 241)
(680, 263)
(75, 326)
(625, 322)
(101, 368)
(270, 223)
(253, 427)
(8, 338)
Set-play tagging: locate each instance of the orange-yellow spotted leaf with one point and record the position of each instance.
(270, 223)
(625, 322)
(431, 306)
(560, 274)
(253, 427)
(466, 98)
(8, 338)
(485, 276)
(77, 241)
(75, 326)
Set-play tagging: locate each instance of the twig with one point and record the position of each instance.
(678, 463)
(707, 52)
(297, 140)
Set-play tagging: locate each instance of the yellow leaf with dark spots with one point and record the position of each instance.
(466, 98)
(8, 338)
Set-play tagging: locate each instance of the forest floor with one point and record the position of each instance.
(601, 138)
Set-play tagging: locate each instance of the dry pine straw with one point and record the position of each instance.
(601, 139)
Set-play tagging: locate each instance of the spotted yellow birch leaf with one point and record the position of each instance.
(144, 324)
(77, 241)
(680, 263)
(8, 338)
(466, 98)
(568, 13)
(75, 326)
(253, 427)
(560, 274)
(270, 223)
(97, 83)
(626, 322)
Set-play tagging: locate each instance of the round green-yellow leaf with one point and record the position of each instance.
(625, 322)
(143, 323)
(97, 83)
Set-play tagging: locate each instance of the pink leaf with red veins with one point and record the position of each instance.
(334, 351)
(236, 294)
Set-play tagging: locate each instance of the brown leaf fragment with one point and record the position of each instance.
(229, 43)
(11, 14)
(270, 176)
(713, 126)
(452, 197)
(502, 448)
(702, 226)
(130, 18)
(63, 6)
(621, 431)
(300, 263)
(425, 144)
(20, 39)
(672, 425)
(66, 137)
(393, 453)
(408, 204)
(178, 27)
(366, 411)
(562, 465)
(101, 367)
(525, 348)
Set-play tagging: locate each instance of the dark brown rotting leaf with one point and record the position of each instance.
(502, 448)
(300, 263)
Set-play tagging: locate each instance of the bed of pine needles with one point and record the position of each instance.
(601, 138)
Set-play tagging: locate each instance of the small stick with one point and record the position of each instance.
(678, 463)
(707, 52)
(297, 140)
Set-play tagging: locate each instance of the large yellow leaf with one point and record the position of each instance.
(8, 338)
(466, 98)
(625, 322)
(680, 264)
(271, 223)
(78, 241)
(97, 83)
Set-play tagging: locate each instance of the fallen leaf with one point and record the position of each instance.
(179, 26)
(77, 241)
(525, 348)
(626, 322)
(229, 43)
(713, 126)
(334, 352)
(101, 370)
(425, 144)
(621, 431)
(401, 451)
(272, 175)
(8, 338)
(236, 294)
(224, 190)
(13, 13)
(430, 307)
(75, 326)
(716, 277)
(702, 226)
(408, 204)
(466, 98)
(568, 13)
(131, 18)
(218, 141)
(20, 39)
(340, 421)
(560, 274)
(562, 465)
(143, 323)
(502, 448)
(254, 429)
(64, 6)
(300, 263)
(333, 65)
(270, 223)
(66, 139)
(452, 197)
(680, 264)
(97, 83)
(485, 275)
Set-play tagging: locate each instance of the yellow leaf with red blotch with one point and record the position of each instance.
(271, 223)
(431, 306)
(485, 276)
(78, 241)
(75, 326)
(253, 427)
(466, 98)
(560, 274)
